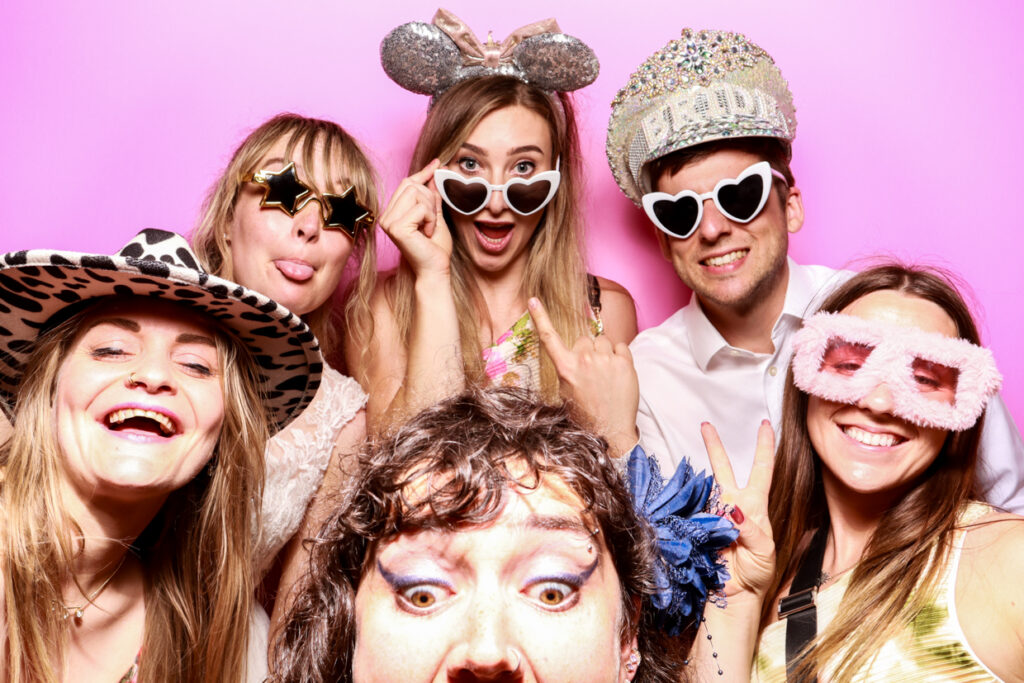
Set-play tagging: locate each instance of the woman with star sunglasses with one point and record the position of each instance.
(488, 219)
(865, 554)
(294, 207)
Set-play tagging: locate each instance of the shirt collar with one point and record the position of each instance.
(800, 292)
(706, 340)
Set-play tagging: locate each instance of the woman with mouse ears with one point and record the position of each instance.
(488, 218)
(143, 390)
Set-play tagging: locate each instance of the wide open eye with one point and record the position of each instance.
(741, 201)
(423, 596)
(553, 594)
(844, 357)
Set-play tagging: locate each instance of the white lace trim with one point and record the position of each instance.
(297, 457)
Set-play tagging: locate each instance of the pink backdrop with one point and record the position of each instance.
(118, 115)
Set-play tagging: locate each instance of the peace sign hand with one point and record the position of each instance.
(751, 559)
(414, 222)
(598, 377)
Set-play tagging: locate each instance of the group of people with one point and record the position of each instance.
(191, 490)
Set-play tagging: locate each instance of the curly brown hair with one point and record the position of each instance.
(479, 445)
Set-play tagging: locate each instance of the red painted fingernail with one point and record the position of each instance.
(737, 514)
(702, 424)
(766, 421)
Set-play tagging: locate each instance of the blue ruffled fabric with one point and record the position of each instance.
(691, 540)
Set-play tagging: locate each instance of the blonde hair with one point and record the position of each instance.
(555, 271)
(196, 553)
(339, 150)
(907, 553)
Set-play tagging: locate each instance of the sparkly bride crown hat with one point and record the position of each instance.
(705, 85)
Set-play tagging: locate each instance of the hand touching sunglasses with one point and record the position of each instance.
(525, 196)
(739, 199)
(283, 190)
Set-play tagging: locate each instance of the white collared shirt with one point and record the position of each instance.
(689, 374)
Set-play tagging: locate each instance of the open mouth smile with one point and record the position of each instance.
(725, 259)
(875, 439)
(493, 237)
(141, 421)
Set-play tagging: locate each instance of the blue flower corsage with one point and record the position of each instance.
(689, 538)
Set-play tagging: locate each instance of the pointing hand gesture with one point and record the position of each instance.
(597, 376)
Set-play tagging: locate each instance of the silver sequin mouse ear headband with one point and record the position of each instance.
(430, 58)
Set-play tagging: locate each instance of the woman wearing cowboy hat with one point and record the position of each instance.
(143, 391)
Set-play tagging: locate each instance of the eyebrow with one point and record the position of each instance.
(132, 326)
(123, 323)
(190, 338)
(515, 150)
(557, 523)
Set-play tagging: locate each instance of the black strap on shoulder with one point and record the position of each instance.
(798, 609)
(595, 292)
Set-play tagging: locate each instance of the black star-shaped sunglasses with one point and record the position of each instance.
(283, 190)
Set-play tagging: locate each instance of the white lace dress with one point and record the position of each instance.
(296, 459)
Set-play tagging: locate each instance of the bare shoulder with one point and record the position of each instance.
(618, 311)
(995, 543)
(990, 595)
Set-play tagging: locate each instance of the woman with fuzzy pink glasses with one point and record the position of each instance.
(863, 552)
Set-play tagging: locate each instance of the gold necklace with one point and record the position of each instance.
(79, 611)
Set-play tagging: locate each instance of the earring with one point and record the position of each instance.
(519, 659)
(633, 662)
(132, 382)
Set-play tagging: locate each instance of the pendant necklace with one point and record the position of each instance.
(77, 612)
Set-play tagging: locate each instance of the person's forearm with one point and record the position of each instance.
(733, 641)
(435, 370)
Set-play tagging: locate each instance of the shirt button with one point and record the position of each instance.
(773, 371)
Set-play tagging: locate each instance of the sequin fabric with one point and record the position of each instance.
(705, 85)
(430, 58)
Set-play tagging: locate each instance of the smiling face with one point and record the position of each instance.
(138, 402)
(292, 259)
(512, 142)
(863, 447)
(532, 592)
(727, 264)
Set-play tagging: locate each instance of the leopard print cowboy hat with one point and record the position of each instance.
(41, 286)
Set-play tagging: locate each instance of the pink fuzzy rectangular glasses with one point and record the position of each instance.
(935, 381)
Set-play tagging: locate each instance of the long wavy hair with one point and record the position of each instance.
(907, 552)
(555, 270)
(473, 443)
(196, 553)
(337, 155)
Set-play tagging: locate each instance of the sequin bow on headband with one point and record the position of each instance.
(430, 58)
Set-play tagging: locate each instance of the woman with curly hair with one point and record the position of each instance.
(494, 536)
